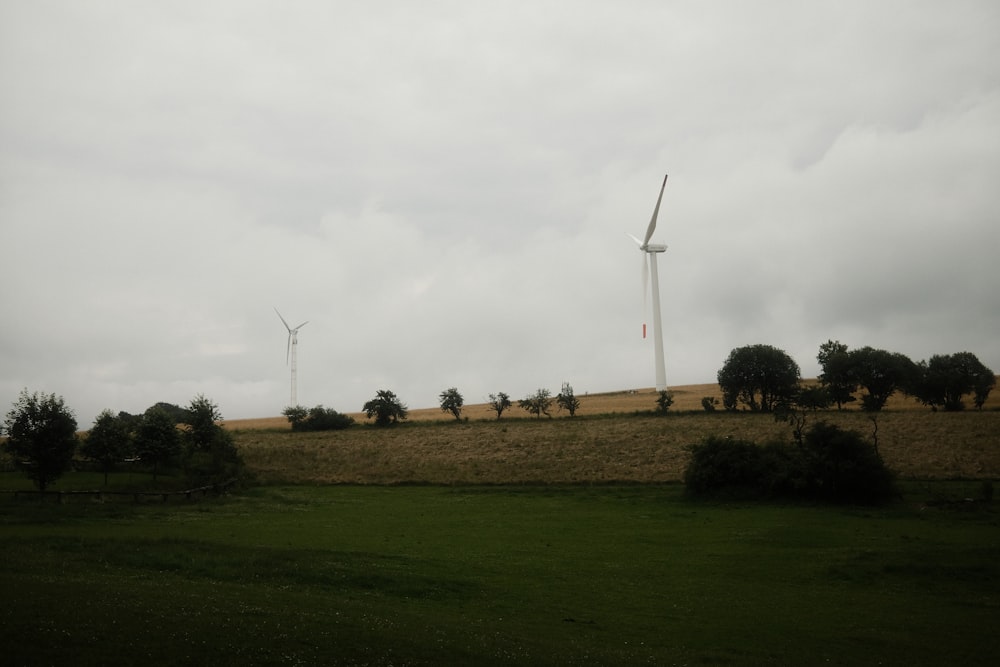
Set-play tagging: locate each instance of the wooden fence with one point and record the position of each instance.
(136, 496)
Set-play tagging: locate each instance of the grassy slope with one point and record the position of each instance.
(610, 440)
(495, 575)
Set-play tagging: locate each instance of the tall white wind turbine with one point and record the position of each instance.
(291, 353)
(649, 251)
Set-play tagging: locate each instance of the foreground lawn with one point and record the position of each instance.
(558, 575)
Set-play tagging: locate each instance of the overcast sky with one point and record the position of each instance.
(443, 190)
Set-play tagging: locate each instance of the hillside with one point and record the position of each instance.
(615, 438)
(686, 398)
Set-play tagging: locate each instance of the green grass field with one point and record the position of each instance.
(512, 575)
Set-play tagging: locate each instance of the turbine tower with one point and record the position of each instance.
(649, 251)
(291, 353)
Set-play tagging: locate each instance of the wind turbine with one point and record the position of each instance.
(650, 250)
(290, 352)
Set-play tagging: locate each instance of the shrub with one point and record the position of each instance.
(664, 399)
(723, 467)
(832, 465)
(842, 467)
(709, 403)
(317, 419)
(327, 419)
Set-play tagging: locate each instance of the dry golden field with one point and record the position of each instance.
(612, 439)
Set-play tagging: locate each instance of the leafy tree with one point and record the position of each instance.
(386, 408)
(759, 376)
(813, 398)
(538, 403)
(837, 376)
(985, 382)
(158, 441)
(132, 421)
(109, 441)
(452, 401)
(499, 402)
(202, 418)
(566, 400)
(880, 373)
(41, 436)
(211, 451)
(296, 416)
(664, 399)
(795, 412)
(945, 379)
(176, 412)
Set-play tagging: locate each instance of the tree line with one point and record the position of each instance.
(387, 409)
(763, 378)
(42, 440)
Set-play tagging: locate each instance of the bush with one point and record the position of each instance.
(317, 419)
(664, 399)
(832, 465)
(723, 467)
(842, 467)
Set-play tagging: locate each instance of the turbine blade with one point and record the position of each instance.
(288, 348)
(283, 320)
(633, 237)
(301, 325)
(656, 212)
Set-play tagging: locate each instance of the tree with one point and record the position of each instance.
(664, 399)
(41, 436)
(538, 403)
(795, 412)
(452, 401)
(202, 418)
(109, 441)
(760, 376)
(499, 402)
(837, 377)
(880, 373)
(211, 454)
(386, 408)
(296, 416)
(176, 412)
(158, 441)
(985, 382)
(566, 400)
(945, 379)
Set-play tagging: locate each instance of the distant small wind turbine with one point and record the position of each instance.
(291, 353)
(650, 250)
